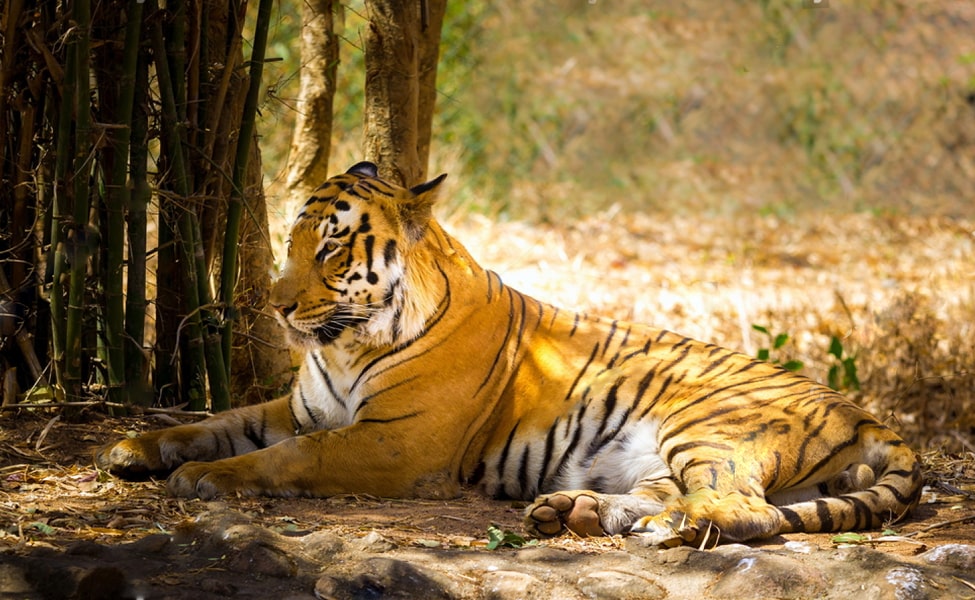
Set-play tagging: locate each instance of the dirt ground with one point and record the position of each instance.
(54, 506)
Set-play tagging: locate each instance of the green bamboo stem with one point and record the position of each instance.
(172, 143)
(135, 299)
(176, 54)
(116, 199)
(204, 352)
(60, 212)
(228, 273)
(82, 166)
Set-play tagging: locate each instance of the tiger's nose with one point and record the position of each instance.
(285, 309)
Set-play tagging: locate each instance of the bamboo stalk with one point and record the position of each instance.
(135, 299)
(194, 356)
(79, 235)
(116, 199)
(204, 351)
(60, 210)
(228, 272)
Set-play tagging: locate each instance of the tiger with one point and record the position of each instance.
(423, 374)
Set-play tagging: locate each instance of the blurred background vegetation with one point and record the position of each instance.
(550, 110)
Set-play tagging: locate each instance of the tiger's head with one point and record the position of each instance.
(346, 271)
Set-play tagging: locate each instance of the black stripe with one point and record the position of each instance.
(507, 336)
(390, 419)
(295, 423)
(564, 459)
(598, 444)
(609, 405)
(609, 338)
(389, 252)
(547, 456)
(307, 407)
(693, 446)
(715, 364)
(523, 472)
(328, 381)
(795, 521)
(370, 243)
(255, 437)
(504, 452)
(852, 441)
(896, 493)
(592, 356)
(825, 517)
(367, 399)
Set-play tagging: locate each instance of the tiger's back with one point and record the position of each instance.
(423, 371)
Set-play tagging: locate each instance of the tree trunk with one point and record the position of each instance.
(260, 361)
(391, 89)
(308, 159)
(402, 46)
(431, 24)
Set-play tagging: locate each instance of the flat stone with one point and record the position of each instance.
(620, 585)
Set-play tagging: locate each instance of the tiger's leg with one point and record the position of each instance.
(708, 517)
(380, 459)
(855, 478)
(227, 434)
(589, 513)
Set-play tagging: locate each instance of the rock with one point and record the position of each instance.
(907, 583)
(99, 583)
(381, 578)
(613, 585)
(151, 544)
(85, 548)
(801, 547)
(13, 584)
(373, 542)
(512, 585)
(321, 544)
(258, 559)
(217, 587)
(764, 575)
(956, 556)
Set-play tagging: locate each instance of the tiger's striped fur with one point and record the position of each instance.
(423, 372)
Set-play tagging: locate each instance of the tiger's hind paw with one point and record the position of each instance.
(667, 530)
(552, 514)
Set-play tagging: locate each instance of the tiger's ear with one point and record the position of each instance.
(417, 210)
(364, 168)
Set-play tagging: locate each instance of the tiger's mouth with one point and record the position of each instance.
(341, 320)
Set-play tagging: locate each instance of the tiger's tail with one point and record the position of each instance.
(891, 498)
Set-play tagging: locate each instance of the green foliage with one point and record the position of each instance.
(500, 538)
(776, 344)
(843, 374)
(850, 538)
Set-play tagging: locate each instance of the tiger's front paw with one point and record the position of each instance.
(207, 480)
(135, 457)
(576, 511)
